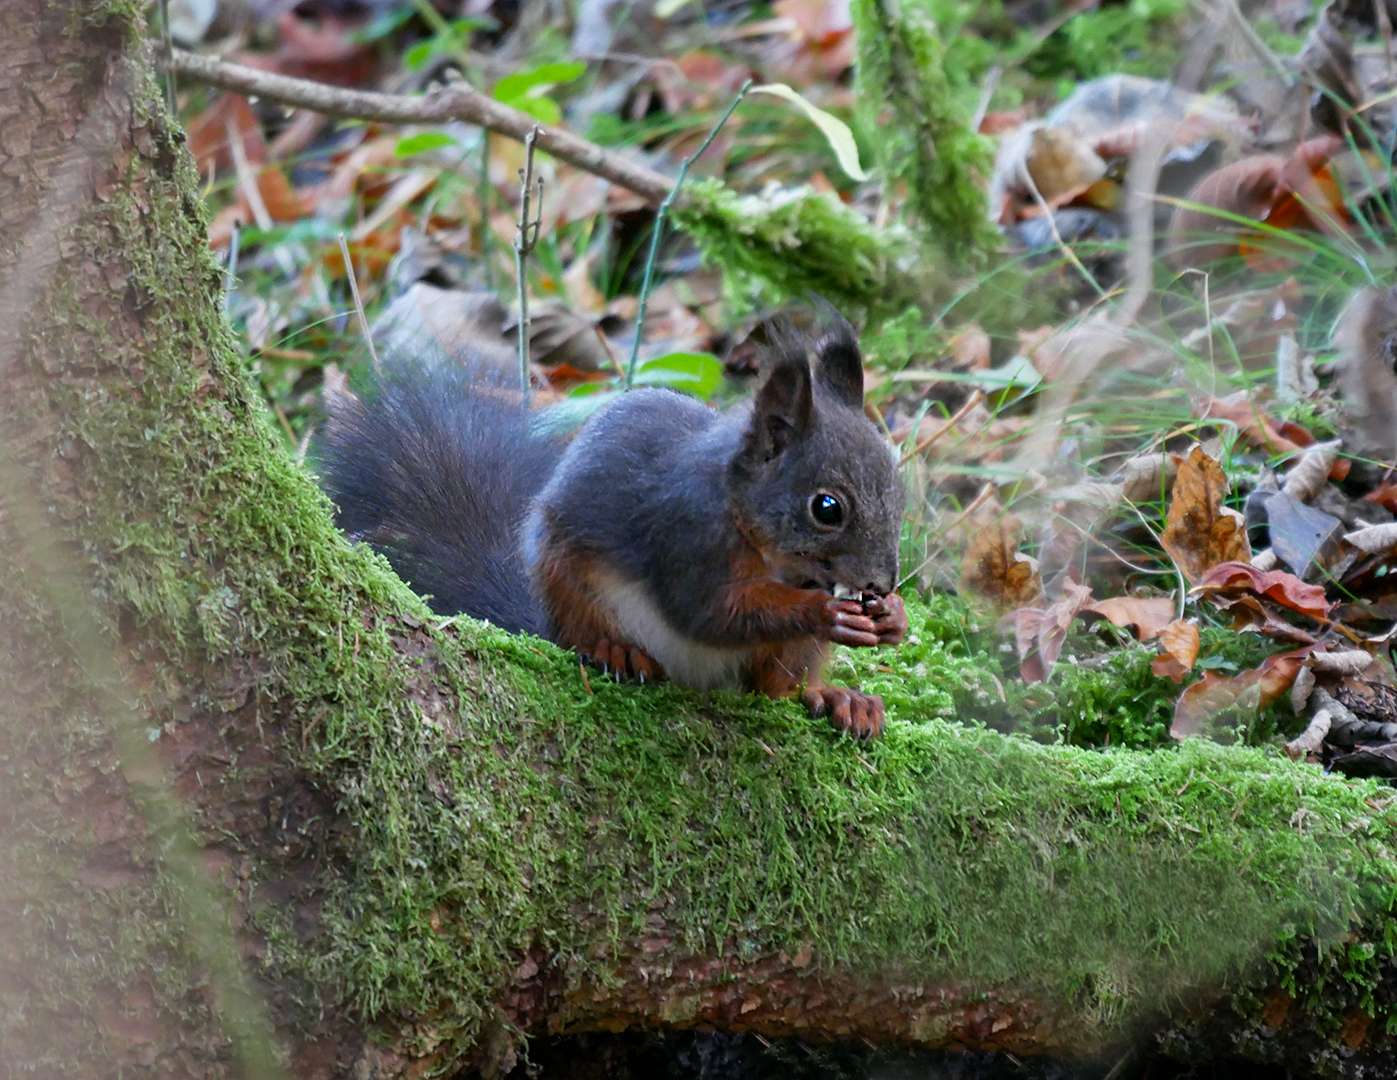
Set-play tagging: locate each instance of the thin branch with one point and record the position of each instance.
(247, 179)
(358, 305)
(523, 247)
(456, 101)
(659, 228)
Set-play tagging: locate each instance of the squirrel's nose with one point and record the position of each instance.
(881, 586)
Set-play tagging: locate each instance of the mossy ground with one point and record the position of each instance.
(944, 851)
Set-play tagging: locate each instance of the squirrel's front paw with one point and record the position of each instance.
(622, 660)
(889, 617)
(861, 715)
(846, 624)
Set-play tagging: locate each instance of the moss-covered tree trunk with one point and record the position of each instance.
(260, 811)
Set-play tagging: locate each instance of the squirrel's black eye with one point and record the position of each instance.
(826, 509)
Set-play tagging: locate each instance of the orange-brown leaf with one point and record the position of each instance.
(1215, 700)
(1181, 642)
(1200, 532)
(1285, 589)
(996, 570)
(1148, 615)
(1252, 424)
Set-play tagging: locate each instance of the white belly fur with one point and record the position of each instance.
(686, 661)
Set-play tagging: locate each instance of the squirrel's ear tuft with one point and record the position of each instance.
(781, 409)
(839, 364)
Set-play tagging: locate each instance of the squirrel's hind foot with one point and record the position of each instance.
(851, 711)
(622, 661)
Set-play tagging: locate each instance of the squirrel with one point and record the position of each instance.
(666, 539)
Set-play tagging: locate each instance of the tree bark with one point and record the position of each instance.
(261, 811)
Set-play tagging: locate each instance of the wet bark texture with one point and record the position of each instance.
(188, 655)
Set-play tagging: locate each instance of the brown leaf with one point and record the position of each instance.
(1285, 589)
(1246, 188)
(1252, 424)
(1249, 613)
(208, 134)
(1216, 702)
(1200, 532)
(1181, 642)
(1148, 615)
(996, 570)
(1039, 633)
(970, 349)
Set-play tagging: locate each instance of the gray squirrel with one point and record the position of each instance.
(718, 549)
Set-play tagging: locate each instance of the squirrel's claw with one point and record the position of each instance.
(858, 714)
(621, 661)
(889, 616)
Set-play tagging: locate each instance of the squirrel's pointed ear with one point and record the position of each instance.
(781, 409)
(839, 364)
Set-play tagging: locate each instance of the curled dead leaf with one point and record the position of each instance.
(1216, 703)
(1180, 641)
(1308, 476)
(1039, 633)
(1285, 589)
(1375, 539)
(1200, 531)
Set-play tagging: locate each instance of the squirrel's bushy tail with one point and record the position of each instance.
(436, 469)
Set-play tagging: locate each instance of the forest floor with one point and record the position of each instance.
(1120, 272)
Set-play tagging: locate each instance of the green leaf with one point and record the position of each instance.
(536, 81)
(693, 373)
(836, 131)
(420, 53)
(571, 413)
(382, 26)
(544, 110)
(422, 142)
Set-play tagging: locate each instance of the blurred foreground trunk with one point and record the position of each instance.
(261, 815)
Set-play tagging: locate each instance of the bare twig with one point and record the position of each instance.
(660, 227)
(523, 247)
(230, 281)
(167, 46)
(456, 101)
(247, 179)
(1257, 45)
(358, 304)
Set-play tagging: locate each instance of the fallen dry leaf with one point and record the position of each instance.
(1148, 615)
(1200, 532)
(1307, 476)
(1252, 424)
(995, 569)
(1284, 588)
(1039, 633)
(1215, 701)
(1249, 613)
(1181, 641)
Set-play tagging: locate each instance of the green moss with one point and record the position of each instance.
(915, 110)
(795, 243)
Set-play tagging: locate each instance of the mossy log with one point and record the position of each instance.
(262, 812)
